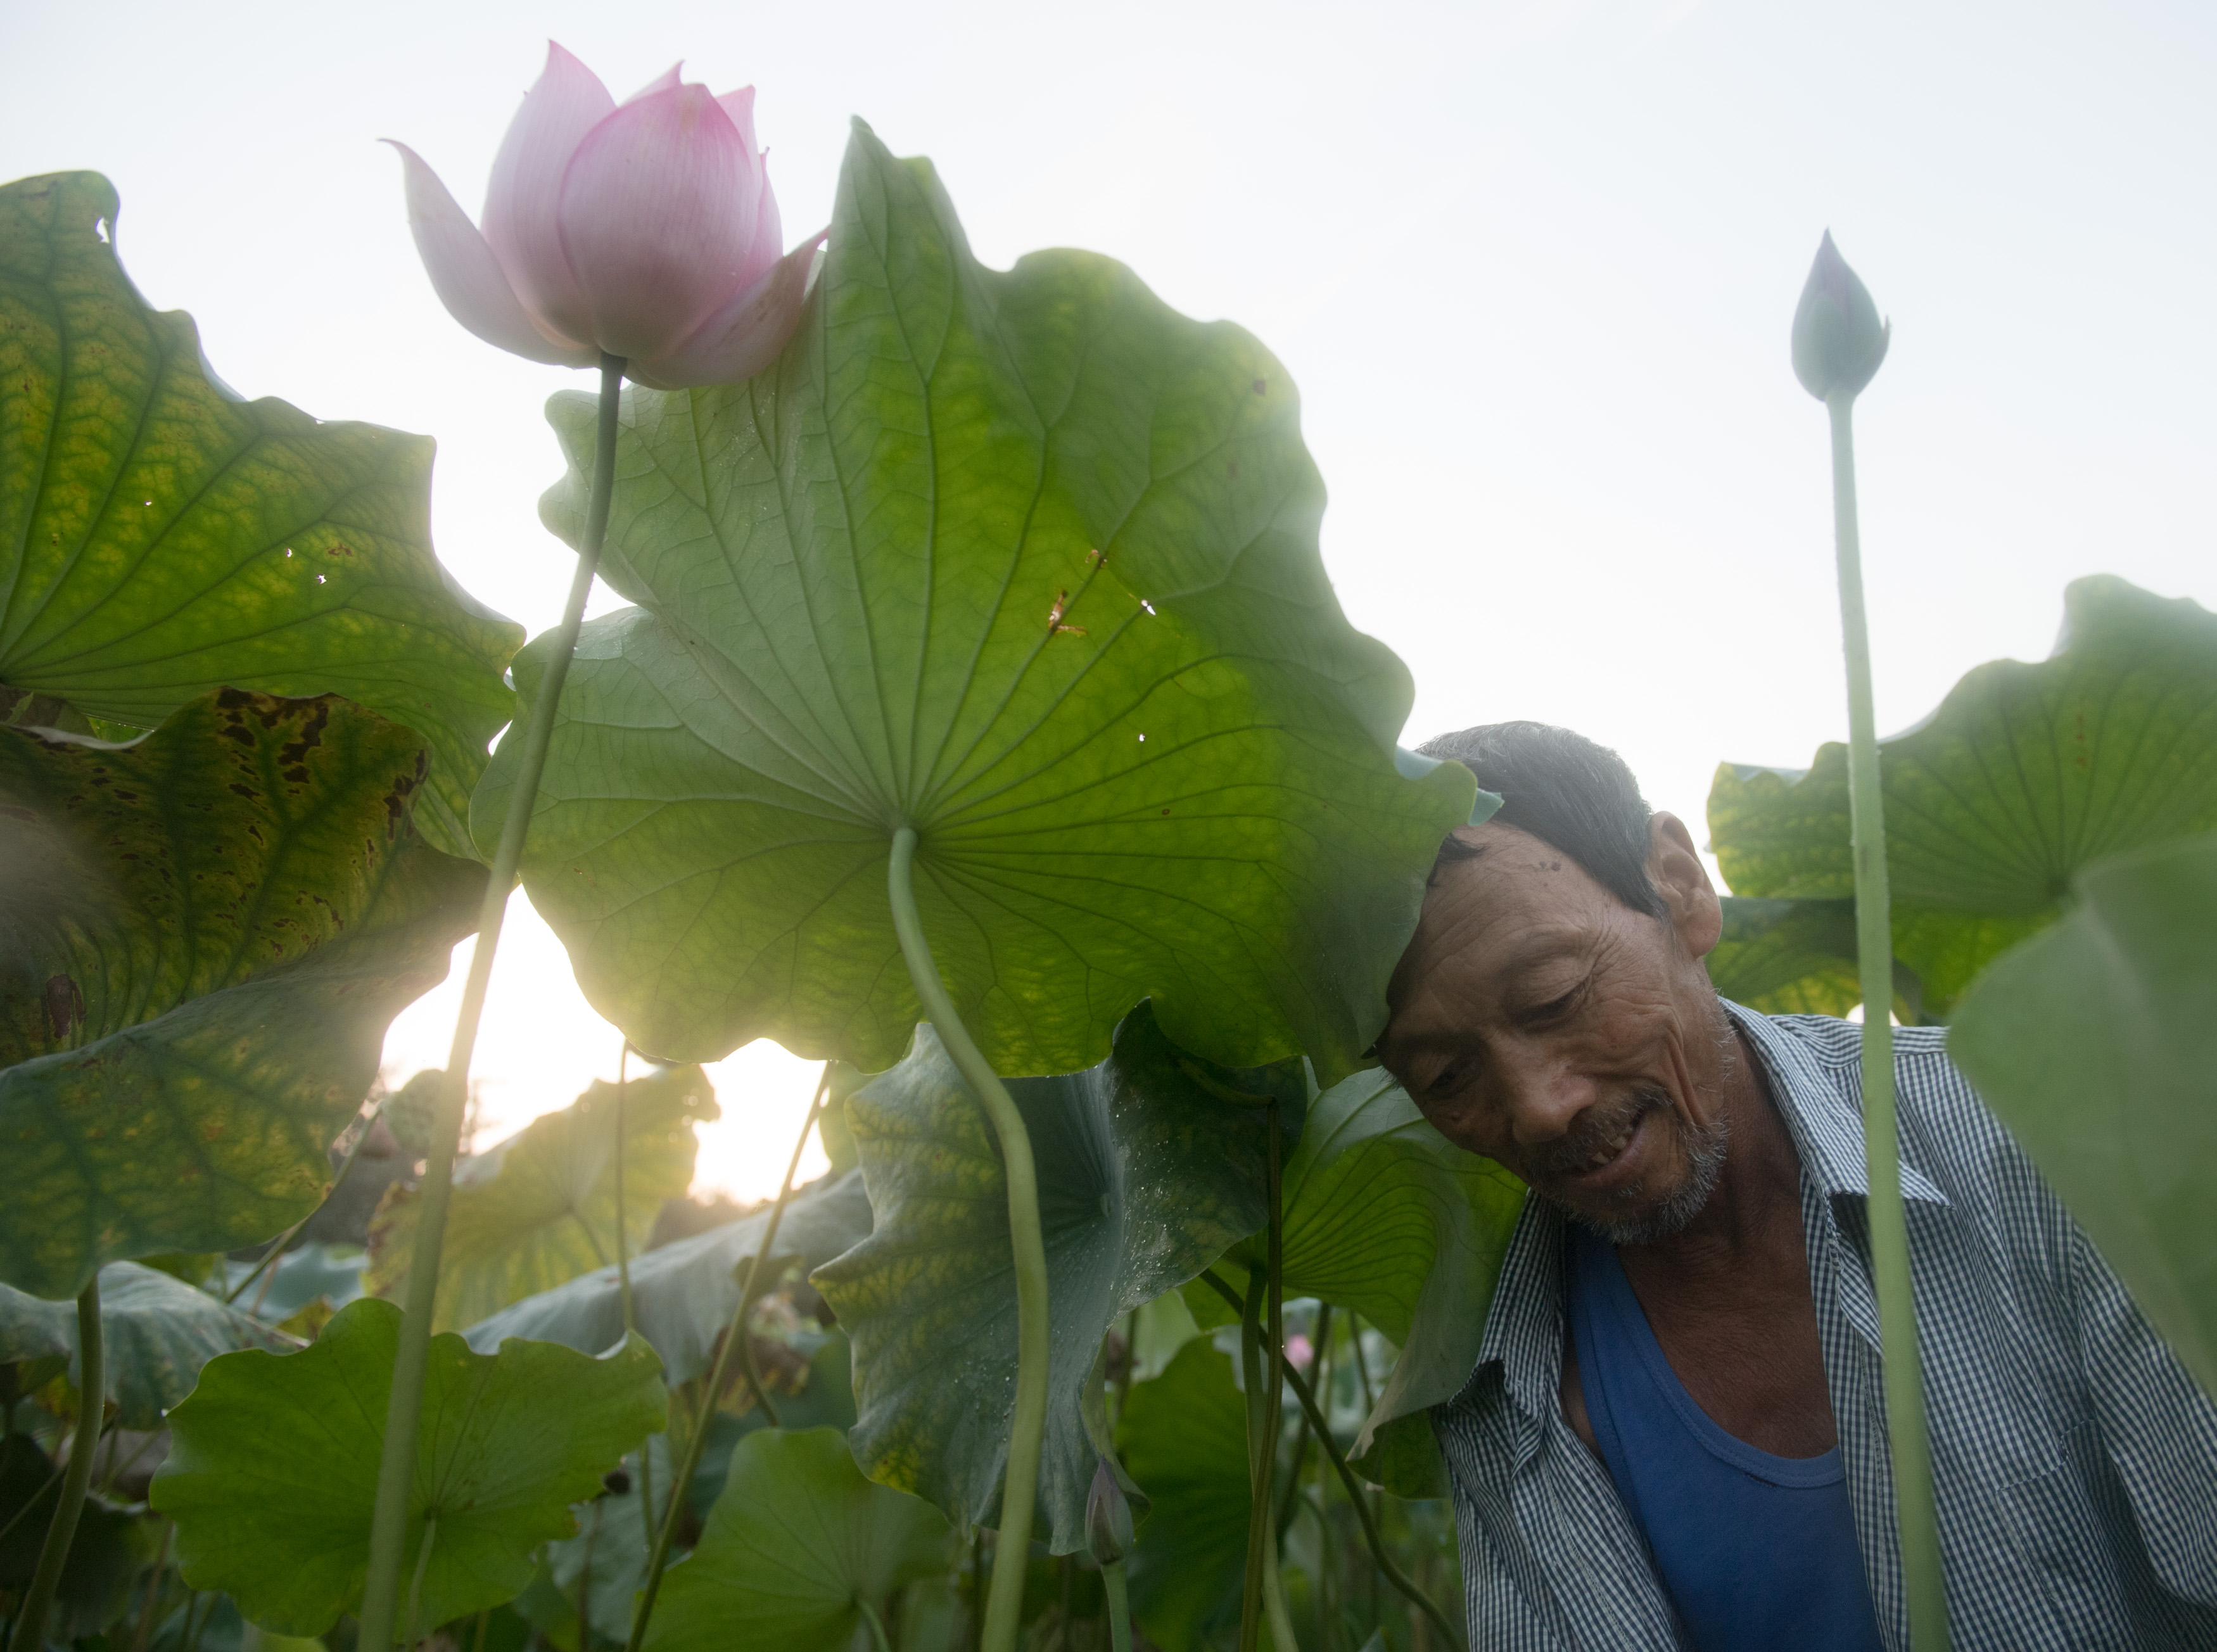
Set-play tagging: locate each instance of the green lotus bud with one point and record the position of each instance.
(1107, 1516)
(1838, 340)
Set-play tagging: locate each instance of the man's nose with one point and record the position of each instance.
(1544, 1093)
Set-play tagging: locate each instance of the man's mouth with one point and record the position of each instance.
(1606, 1152)
(1601, 1156)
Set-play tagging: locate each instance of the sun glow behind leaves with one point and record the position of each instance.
(541, 1044)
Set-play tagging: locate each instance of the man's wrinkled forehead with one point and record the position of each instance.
(1501, 901)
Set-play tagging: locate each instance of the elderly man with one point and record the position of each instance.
(1676, 1433)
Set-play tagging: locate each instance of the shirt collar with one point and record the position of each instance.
(1820, 1101)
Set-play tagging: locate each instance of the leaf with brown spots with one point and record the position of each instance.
(159, 536)
(203, 936)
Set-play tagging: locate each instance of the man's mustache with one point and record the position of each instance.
(1598, 1125)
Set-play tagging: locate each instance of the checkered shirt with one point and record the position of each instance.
(2076, 1462)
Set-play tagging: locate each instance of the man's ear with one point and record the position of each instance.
(1677, 871)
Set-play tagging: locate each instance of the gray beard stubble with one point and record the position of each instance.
(1706, 1147)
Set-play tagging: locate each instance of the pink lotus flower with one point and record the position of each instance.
(646, 231)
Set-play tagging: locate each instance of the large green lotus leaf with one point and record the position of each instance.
(1145, 1174)
(2096, 1043)
(2024, 774)
(541, 1208)
(1797, 957)
(159, 537)
(203, 936)
(799, 1542)
(1385, 1215)
(1183, 786)
(682, 1295)
(1185, 1437)
(272, 1469)
(156, 1332)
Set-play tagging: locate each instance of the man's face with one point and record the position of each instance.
(1539, 1021)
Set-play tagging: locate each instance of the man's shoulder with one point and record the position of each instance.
(1948, 1135)
(1829, 1049)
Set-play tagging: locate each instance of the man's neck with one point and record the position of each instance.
(1728, 1297)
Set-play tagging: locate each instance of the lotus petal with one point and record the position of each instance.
(521, 202)
(657, 219)
(746, 336)
(667, 81)
(467, 277)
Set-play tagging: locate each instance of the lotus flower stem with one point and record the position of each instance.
(1383, 1560)
(76, 1478)
(1119, 1606)
(878, 1642)
(144, 1633)
(32, 1501)
(192, 1631)
(736, 1336)
(1320, 1338)
(416, 1584)
(1264, 1598)
(977, 1588)
(1020, 1486)
(757, 1280)
(1915, 1510)
(1260, 1452)
(395, 1472)
(1274, 1395)
(623, 1285)
(623, 1246)
(584, 1577)
(269, 1256)
(1266, 1386)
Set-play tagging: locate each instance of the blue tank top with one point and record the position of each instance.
(1756, 1551)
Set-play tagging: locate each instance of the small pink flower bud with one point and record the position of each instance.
(645, 230)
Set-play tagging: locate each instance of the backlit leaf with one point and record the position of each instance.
(541, 1208)
(273, 1472)
(1797, 957)
(684, 1294)
(2095, 1044)
(2025, 774)
(159, 537)
(203, 936)
(1025, 562)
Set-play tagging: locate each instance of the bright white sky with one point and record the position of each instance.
(1531, 262)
